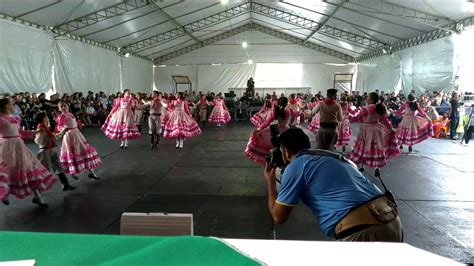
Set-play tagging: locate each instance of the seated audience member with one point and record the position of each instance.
(341, 205)
(430, 111)
(443, 105)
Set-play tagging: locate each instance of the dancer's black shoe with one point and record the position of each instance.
(92, 176)
(68, 188)
(361, 169)
(6, 201)
(41, 204)
(410, 149)
(377, 172)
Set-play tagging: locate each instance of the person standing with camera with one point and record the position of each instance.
(330, 116)
(348, 206)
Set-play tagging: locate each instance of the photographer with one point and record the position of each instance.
(348, 206)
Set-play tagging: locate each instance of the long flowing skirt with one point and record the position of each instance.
(375, 144)
(77, 155)
(261, 117)
(165, 116)
(260, 144)
(20, 171)
(121, 125)
(219, 115)
(344, 132)
(314, 124)
(413, 130)
(182, 125)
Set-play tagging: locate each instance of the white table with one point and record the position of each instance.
(292, 253)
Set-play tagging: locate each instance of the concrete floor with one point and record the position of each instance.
(225, 191)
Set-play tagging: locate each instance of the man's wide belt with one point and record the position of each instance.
(380, 210)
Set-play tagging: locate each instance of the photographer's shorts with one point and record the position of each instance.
(389, 232)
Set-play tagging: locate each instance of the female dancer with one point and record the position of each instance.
(413, 129)
(76, 155)
(376, 142)
(295, 105)
(263, 115)
(47, 153)
(260, 143)
(138, 111)
(165, 115)
(344, 131)
(21, 173)
(120, 123)
(314, 124)
(180, 124)
(203, 107)
(219, 115)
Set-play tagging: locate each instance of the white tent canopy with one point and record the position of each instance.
(87, 41)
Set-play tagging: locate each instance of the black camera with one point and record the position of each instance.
(275, 157)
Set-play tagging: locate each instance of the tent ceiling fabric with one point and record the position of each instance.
(157, 29)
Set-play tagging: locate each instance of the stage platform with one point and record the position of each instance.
(225, 191)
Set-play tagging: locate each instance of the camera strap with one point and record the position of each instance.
(319, 152)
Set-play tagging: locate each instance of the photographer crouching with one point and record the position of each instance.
(348, 206)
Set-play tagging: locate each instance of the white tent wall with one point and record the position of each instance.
(220, 78)
(137, 74)
(428, 66)
(164, 82)
(81, 67)
(382, 73)
(423, 67)
(320, 77)
(25, 65)
(205, 77)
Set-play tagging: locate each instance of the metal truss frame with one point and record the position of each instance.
(295, 40)
(38, 9)
(203, 43)
(61, 33)
(325, 20)
(309, 24)
(169, 18)
(422, 17)
(190, 27)
(101, 15)
(261, 28)
(424, 38)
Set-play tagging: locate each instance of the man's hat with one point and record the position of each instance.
(331, 92)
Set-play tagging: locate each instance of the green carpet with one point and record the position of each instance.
(78, 249)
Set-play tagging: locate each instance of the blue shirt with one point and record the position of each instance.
(16, 110)
(328, 186)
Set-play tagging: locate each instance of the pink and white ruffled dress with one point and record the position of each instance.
(375, 143)
(262, 116)
(259, 144)
(413, 129)
(20, 170)
(180, 123)
(344, 131)
(120, 124)
(219, 114)
(76, 155)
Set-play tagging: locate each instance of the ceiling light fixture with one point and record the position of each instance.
(224, 2)
(249, 61)
(244, 44)
(127, 54)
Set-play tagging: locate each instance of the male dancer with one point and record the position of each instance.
(154, 122)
